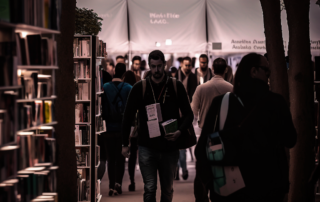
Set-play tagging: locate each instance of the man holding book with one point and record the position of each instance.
(158, 106)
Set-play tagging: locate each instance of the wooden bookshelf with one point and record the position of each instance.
(86, 44)
(29, 156)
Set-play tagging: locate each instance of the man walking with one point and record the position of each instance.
(203, 73)
(201, 103)
(158, 151)
(189, 81)
(114, 102)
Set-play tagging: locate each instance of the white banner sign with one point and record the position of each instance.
(237, 27)
(114, 29)
(173, 26)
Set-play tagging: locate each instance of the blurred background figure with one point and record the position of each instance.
(172, 71)
(120, 59)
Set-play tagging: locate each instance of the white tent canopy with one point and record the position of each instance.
(179, 26)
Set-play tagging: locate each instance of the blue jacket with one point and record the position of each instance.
(109, 94)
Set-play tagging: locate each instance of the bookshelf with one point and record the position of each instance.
(28, 60)
(88, 121)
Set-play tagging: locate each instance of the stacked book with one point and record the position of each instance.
(82, 135)
(82, 112)
(101, 49)
(81, 69)
(83, 158)
(83, 184)
(36, 50)
(81, 47)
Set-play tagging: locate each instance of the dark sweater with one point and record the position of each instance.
(260, 141)
(169, 110)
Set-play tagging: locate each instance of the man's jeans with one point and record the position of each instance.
(152, 161)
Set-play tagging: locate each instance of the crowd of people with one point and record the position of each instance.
(245, 128)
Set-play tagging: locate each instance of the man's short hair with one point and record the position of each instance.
(219, 66)
(119, 70)
(204, 56)
(119, 56)
(187, 58)
(156, 55)
(136, 58)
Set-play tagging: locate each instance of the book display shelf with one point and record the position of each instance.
(88, 114)
(28, 60)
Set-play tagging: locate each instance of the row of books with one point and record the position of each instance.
(82, 112)
(82, 156)
(35, 85)
(101, 49)
(33, 184)
(83, 185)
(82, 135)
(98, 105)
(36, 50)
(100, 124)
(98, 80)
(82, 69)
(42, 13)
(7, 112)
(35, 113)
(81, 47)
(35, 150)
(82, 91)
(8, 164)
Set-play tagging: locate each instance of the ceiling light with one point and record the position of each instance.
(168, 42)
(158, 44)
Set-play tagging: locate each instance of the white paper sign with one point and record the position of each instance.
(154, 112)
(154, 129)
(234, 180)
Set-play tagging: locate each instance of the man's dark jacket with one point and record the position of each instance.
(191, 85)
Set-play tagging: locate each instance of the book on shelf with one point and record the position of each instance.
(7, 164)
(82, 135)
(48, 111)
(26, 151)
(82, 156)
(41, 13)
(81, 47)
(8, 65)
(7, 192)
(82, 91)
(170, 126)
(40, 148)
(7, 121)
(82, 69)
(82, 112)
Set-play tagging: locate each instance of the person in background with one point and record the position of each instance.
(189, 81)
(130, 78)
(158, 153)
(110, 67)
(201, 103)
(257, 129)
(229, 75)
(116, 93)
(203, 73)
(120, 59)
(135, 67)
(172, 72)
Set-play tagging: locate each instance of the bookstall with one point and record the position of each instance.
(28, 60)
(88, 55)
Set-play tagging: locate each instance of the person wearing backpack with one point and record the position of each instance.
(158, 151)
(241, 150)
(115, 99)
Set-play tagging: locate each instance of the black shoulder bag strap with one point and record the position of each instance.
(118, 94)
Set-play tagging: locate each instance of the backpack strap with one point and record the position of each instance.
(144, 84)
(118, 94)
(224, 110)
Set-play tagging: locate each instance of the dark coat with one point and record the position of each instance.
(259, 144)
(192, 83)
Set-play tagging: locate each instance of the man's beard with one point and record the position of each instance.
(187, 71)
(204, 68)
(158, 75)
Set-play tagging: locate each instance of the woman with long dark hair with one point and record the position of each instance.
(257, 128)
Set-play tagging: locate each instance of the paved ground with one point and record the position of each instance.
(183, 189)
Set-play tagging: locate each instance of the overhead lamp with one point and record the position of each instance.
(168, 42)
(158, 44)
